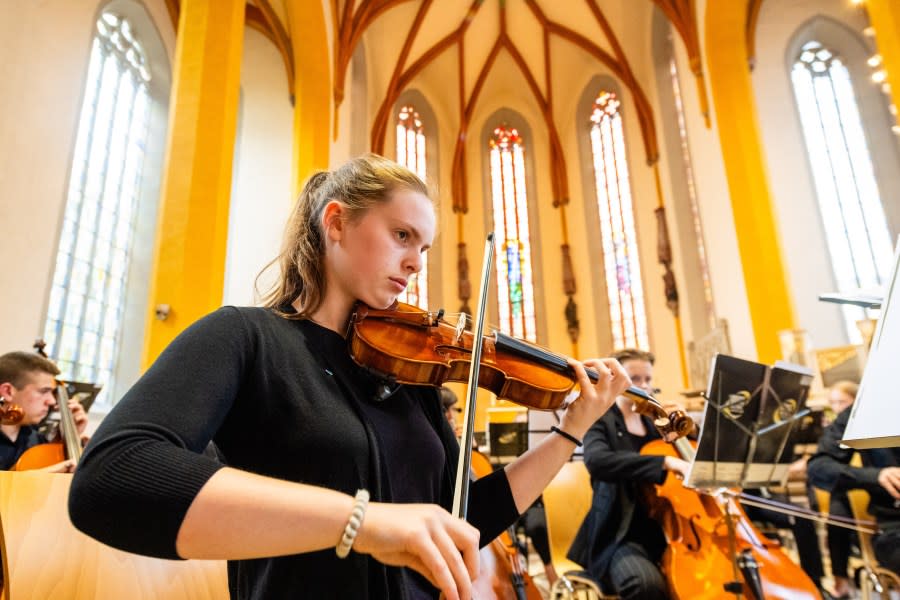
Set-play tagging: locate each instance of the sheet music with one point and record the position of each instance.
(732, 407)
(875, 417)
(747, 421)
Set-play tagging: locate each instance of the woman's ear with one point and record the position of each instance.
(333, 220)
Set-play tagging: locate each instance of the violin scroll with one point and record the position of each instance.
(10, 414)
(671, 426)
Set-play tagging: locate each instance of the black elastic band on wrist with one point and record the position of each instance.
(568, 436)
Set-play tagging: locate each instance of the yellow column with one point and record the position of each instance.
(885, 18)
(312, 90)
(189, 266)
(742, 152)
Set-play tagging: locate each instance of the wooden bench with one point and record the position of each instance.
(44, 556)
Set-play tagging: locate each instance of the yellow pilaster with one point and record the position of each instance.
(312, 89)
(189, 266)
(742, 152)
(885, 18)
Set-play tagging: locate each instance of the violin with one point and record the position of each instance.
(10, 413)
(713, 548)
(405, 344)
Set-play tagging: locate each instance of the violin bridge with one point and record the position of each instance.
(461, 328)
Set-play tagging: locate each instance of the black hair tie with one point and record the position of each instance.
(568, 436)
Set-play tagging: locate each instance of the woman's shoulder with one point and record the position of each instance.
(250, 315)
(233, 322)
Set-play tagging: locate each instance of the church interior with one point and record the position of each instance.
(680, 176)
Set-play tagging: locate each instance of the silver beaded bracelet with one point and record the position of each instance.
(361, 502)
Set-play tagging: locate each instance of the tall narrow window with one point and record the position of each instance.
(411, 153)
(852, 214)
(619, 241)
(515, 288)
(87, 297)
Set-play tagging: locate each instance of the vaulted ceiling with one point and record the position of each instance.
(463, 44)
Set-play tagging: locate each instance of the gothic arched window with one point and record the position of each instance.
(856, 229)
(622, 267)
(87, 298)
(515, 287)
(411, 153)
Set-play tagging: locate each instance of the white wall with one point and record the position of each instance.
(802, 236)
(261, 199)
(44, 51)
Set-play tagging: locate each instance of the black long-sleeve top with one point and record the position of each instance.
(617, 469)
(830, 469)
(280, 398)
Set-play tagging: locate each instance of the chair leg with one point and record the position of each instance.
(877, 582)
(571, 586)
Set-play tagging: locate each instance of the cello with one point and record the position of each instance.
(67, 447)
(713, 547)
(51, 453)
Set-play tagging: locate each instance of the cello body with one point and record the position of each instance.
(698, 563)
(40, 456)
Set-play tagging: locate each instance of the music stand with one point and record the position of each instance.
(84, 392)
(750, 411)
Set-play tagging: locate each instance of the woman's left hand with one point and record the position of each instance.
(595, 398)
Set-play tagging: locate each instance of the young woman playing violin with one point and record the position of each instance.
(305, 433)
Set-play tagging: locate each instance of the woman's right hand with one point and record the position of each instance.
(424, 537)
(678, 466)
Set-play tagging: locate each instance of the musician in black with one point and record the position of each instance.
(830, 470)
(28, 380)
(618, 543)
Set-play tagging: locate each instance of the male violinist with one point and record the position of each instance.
(618, 543)
(28, 380)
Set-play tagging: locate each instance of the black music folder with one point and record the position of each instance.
(750, 411)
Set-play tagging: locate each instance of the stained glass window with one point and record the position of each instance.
(855, 225)
(515, 285)
(87, 297)
(411, 153)
(622, 267)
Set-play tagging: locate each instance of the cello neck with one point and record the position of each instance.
(67, 428)
(684, 449)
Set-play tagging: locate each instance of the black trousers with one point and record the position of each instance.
(839, 538)
(887, 549)
(633, 575)
(534, 520)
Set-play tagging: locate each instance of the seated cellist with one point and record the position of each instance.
(618, 543)
(27, 379)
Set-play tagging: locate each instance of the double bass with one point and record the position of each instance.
(713, 549)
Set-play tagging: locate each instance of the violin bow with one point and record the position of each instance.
(461, 489)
